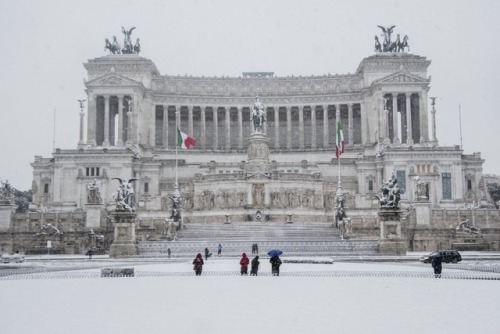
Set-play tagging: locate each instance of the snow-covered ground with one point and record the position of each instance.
(168, 298)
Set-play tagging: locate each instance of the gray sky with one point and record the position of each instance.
(44, 44)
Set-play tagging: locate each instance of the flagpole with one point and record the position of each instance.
(177, 111)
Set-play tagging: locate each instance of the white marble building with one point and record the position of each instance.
(128, 131)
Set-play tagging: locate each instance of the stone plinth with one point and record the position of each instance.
(423, 212)
(391, 240)
(258, 153)
(124, 243)
(93, 216)
(6, 211)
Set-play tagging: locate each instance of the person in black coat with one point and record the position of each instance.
(255, 266)
(275, 265)
(437, 264)
(198, 265)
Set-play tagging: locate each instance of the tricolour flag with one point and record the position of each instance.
(339, 142)
(184, 141)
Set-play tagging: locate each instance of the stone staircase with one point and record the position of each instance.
(297, 239)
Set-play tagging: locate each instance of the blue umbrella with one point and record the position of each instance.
(274, 252)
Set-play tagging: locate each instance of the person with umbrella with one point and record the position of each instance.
(275, 261)
(255, 266)
(437, 264)
(244, 264)
(198, 264)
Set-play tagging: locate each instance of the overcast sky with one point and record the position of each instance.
(44, 43)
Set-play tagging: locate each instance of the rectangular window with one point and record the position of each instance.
(401, 177)
(46, 188)
(446, 179)
(469, 184)
(146, 187)
(370, 185)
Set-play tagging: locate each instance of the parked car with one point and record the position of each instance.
(446, 255)
(16, 257)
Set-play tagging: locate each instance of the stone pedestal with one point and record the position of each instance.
(391, 240)
(93, 216)
(258, 154)
(423, 212)
(6, 211)
(124, 243)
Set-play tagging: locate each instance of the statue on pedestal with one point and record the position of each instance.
(128, 48)
(391, 194)
(421, 186)
(94, 195)
(258, 115)
(6, 193)
(124, 196)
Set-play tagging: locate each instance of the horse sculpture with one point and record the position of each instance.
(128, 48)
(258, 115)
(404, 44)
(112, 47)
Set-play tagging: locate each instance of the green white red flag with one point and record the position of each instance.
(339, 142)
(184, 141)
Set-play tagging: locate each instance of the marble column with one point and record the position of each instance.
(409, 129)
(395, 128)
(228, 128)
(364, 125)
(190, 120)
(350, 124)
(326, 134)
(215, 128)
(288, 127)
(313, 126)
(301, 127)
(203, 127)
(105, 143)
(424, 127)
(129, 123)
(276, 127)
(433, 124)
(240, 127)
(120, 121)
(165, 126)
(81, 142)
(91, 119)
(385, 121)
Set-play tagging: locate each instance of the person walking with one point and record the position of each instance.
(219, 250)
(198, 265)
(275, 265)
(207, 253)
(255, 266)
(256, 249)
(168, 252)
(90, 252)
(437, 264)
(244, 264)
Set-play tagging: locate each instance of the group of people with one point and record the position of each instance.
(244, 262)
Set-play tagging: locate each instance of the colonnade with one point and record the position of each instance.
(287, 127)
(114, 121)
(404, 118)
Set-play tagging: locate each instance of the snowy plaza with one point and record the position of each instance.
(166, 297)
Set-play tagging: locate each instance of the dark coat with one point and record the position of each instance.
(437, 264)
(275, 264)
(198, 264)
(255, 266)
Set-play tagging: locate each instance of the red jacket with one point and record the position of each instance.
(244, 260)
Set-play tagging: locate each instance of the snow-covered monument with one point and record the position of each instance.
(278, 168)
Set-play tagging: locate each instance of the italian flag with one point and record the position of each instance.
(184, 141)
(339, 142)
